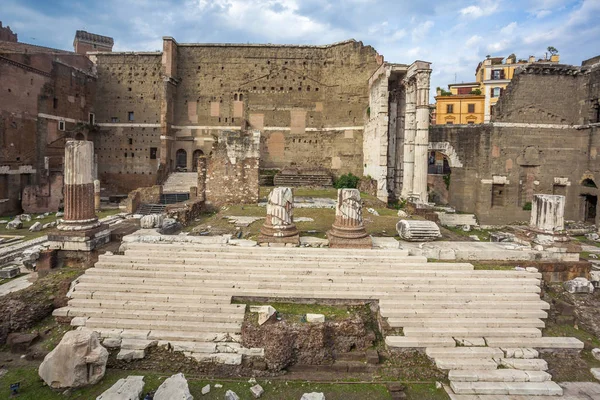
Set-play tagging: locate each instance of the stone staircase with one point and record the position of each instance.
(180, 182)
(481, 326)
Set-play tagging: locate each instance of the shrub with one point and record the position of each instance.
(348, 181)
(527, 206)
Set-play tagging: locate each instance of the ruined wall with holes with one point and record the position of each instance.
(543, 139)
(38, 88)
(232, 169)
(127, 145)
(309, 102)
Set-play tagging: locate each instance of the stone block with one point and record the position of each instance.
(257, 391)
(264, 313)
(78, 360)
(129, 355)
(129, 388)
(596, 354)
(418, 231)
(175, 387)
(9, 271)
(151, 221)
(205, 390)
(313, 396)
(372, 357)
(231, 395)
(579, 285)
(35, 227)
(315, 318)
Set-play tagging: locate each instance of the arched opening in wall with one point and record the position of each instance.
(80, 136)
(195, 156)
(589, 183)
(438, 177)
(181, 160)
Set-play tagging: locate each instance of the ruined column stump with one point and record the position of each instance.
(348, 230)
(80, 228)
(548, 217)
(279, 224)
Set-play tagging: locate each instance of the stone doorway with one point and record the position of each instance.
(590, 203)
(197, 154)
(181, 160)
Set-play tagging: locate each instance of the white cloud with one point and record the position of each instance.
(420, 32)
(473, 41)
(475, 11)
(542, 13)
(498, 46)
(509, 29)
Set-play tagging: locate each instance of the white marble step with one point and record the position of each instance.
(534, 364)
(81, 293)
(499, 375)
(418, 342)
(166, 335)
(536, 343)
(465, 352)
(391, 313)
(245, 282)
(473, 332)
(547, 388)
(224, 308)
(459, 363)
(468, 304)
(466, 322)
(220, 274)
(156, 315)
(141, 324)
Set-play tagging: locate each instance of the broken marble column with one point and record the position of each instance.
(348, 230)
(418, 231)
(96, 195)
(79, 187)
(79, 229)
(201, 185)
(548, 213)
(279, 224)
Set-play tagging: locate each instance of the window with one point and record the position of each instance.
(470, 122)
(496, 92)
(130, 141)
(464, 90)
(153, 153)
(130, 116)
(92, 118)
(449, 108)
(54, 102)
(471, 108)
(61, 126)
(497, 195)
(449, 123)
(114, 119)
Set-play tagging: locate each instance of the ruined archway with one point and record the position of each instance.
(80, 136)
(181, 159)
(197, 154)
(438, 177)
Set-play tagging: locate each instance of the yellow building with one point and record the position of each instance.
(460, 105)
(463, 104)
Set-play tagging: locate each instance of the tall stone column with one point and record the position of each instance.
(348, 230)
(80, 229)
(410, 133)
(421, 146)
(279, 224)
(201, 186)
(79, 187)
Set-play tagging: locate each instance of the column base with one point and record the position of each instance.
(336, 242)
(79, 240)
(295, 239)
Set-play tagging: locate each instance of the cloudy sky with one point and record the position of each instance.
(453, 34)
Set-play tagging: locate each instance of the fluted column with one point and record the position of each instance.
(348, 229)
(421, 143)
(79, 187)
(410, 132)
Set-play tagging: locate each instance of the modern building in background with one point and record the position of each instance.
(463, 104)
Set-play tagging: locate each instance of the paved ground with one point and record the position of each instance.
(15, 285)
(572, 391)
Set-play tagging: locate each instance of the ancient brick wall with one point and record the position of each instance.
(128, 112)
(232, 172)
(6, 34)
(541, 142)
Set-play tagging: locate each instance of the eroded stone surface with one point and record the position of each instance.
(174, 388)
(129, 388)
(78, 360)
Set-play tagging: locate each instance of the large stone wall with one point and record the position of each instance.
(232, 171)
(128, 147)
(542, 140)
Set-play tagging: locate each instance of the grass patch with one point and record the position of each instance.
(294, 312)
(484, 267)
(425, 391)
(570, 331)
(33, 388)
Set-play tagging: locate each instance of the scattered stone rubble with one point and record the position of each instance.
(264, 313)
(174, 388)
(129, 388)
(579, 285)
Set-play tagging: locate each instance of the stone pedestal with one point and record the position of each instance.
(80, 228)
(279, 224)
(348, 230)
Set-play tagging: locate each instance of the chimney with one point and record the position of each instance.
(531, 59)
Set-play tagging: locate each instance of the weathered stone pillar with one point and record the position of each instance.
(348, 230)
(410, 132)
(79, 187)
(80, 228)
(279, 225)
(548, 213)
(97, 195)
(201, 186)
(421, 144)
